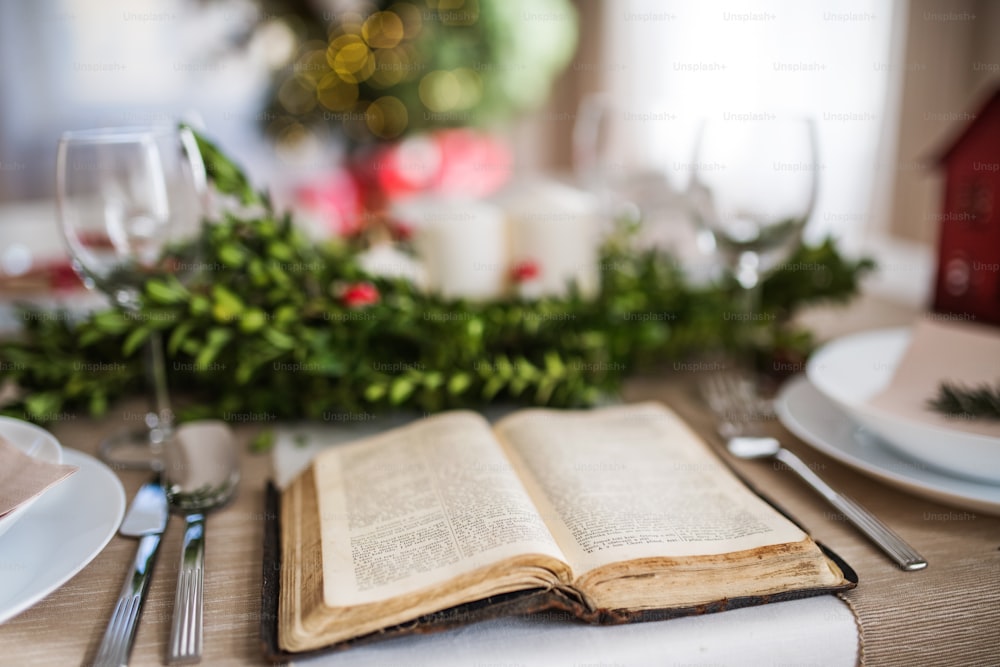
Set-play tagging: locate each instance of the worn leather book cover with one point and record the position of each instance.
(517, 603)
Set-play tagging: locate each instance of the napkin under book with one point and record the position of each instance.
(613, 515)
(24, 477)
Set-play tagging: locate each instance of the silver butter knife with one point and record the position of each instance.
(146, 519)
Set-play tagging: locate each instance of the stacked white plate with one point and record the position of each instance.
(46, 542)
(829, 409)
(35, 442)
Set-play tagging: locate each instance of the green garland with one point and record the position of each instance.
(264, 333)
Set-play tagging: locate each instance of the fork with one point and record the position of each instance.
(736, 406)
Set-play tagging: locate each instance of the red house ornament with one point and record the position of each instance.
(968, 270)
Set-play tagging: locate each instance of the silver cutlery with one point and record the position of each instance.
(891, 543)
(146, 519)
(202, 468)
(737, 409)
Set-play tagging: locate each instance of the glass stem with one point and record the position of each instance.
(160, 418)
(749, 278)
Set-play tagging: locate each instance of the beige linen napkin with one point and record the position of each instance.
(23, 477)
(957, 352)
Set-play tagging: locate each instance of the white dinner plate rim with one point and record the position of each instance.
(900, 336)
(54, 455)
(50, 452)
(68, 507)
(909, 474)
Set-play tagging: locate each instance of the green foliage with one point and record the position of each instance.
(262, 330)
(815, 274)
(226, 176)
(977, 402)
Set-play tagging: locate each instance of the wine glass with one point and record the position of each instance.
(622, 150)
(125, 196)
(752, 189)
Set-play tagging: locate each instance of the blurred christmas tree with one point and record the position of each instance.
(373, 71)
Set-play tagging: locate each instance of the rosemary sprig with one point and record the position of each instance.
(956, 400)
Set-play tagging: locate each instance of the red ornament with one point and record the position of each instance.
(525, 271)
(401, 169)
(337, 199)
(451, 162)
(473, 164)
(357, 295)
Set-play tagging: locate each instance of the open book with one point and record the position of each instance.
(617, 514)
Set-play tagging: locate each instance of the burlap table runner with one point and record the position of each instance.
(947, 614)
(66, 627)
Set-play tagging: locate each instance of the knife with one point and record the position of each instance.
(146, 519)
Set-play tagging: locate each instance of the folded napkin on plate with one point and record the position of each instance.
(23, 477)
(954, 352)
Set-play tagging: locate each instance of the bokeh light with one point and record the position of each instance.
(387, 117)
(470, 87)
(296, 95)
(411, 18)
(336, 94)
(390, 67)
(440, 91)
(383, 30)
(383, 69)
(350, 58)
(355, 123)
(456, 12)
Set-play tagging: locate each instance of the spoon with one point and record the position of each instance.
(893, 545)
(202, 472)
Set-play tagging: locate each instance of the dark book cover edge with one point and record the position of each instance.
(530, 601)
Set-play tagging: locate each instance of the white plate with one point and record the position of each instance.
(60, 534)
(40, 444)
(818, 421)
(854, 369)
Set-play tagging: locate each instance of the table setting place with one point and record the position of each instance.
(876, 464)
(439, 537)
(873, 459)
(425, 399)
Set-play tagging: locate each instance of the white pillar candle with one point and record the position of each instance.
(556, 227)
(462, 244)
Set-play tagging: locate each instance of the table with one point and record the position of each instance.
(947, 614)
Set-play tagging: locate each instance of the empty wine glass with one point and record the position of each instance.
(125, 196)
(625, 152)
(752, 189)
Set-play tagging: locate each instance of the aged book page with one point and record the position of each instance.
(623, 507)
(634, 482)
(417, 507)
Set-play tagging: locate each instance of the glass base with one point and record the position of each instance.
(134, 449)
